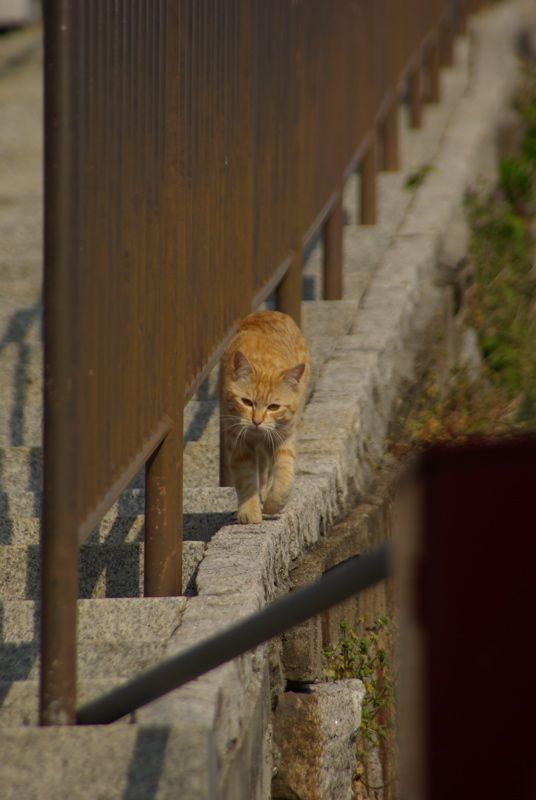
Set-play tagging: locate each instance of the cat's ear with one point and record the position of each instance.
(292, 377)
(242, 367)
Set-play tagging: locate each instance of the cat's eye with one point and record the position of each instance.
(273, 407)
(247, 401)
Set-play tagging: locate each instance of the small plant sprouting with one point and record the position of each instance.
(417, 177)
(365, 657)
(516, 179)
(498, 398)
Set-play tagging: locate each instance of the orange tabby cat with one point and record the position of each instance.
(263, 380)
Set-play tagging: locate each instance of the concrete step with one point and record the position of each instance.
(201, 464)
(21, 228)
(202, 421)
(107, 619)
(19, 700)
(21, 420)
(21, 373)
(96, 659)
(20, 324)
(21, 424)
(111, 762)
(111, 561)
(327, 318)
(197, 527)
(204, 509)
(104, 571)
(131, 503)
(116, 637)
(21, 503)
(21, 468)
(20, 271)
(22, 290)
(21, 389)
(21, 384)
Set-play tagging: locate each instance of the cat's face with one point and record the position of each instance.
(260, 411)
(263, 404)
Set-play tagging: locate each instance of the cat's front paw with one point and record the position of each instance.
(249, 513)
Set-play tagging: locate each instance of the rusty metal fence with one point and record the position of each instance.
(192, 148)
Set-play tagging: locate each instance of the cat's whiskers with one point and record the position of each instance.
(226, 418)
(274, 438)
(237, 433)
(237, 425)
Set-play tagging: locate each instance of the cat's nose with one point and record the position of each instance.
(257, 422)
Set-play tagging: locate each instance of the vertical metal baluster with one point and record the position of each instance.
(369, 171)
(434, 71)
(333, 278)
(391, 156)
(59, 534)
(415, 96)
(164, 485)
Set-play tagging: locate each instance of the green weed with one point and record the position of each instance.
(365, 657)
(500, 307)
(417, 177)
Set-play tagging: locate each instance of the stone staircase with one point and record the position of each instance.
(120, 632)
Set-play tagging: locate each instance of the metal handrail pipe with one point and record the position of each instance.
(337, 584)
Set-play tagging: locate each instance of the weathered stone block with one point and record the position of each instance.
(315, 742)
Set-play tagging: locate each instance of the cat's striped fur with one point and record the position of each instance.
(263, 381)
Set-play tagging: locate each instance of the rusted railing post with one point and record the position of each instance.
(58, 617)
(289, 292)
(246, 51)
(446, 41)
(415, 95)
(59, 540)
(462, 14)
(368, 184)
(391, 161)
(163, 517)
(434, 90)
(332, 232)
(164, 469)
